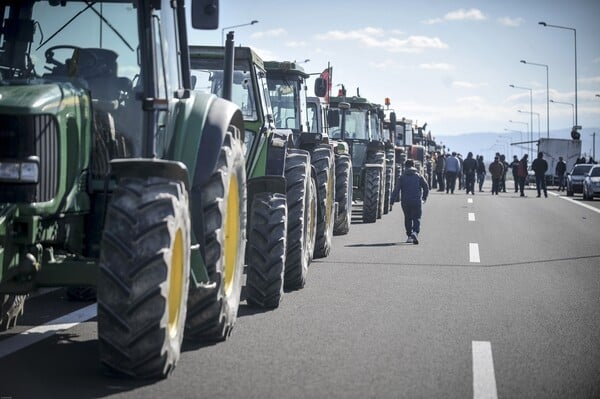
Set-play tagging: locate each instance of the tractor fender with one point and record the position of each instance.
(221, 115)
(145, 167)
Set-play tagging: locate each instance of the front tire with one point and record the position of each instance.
(144, 276)
(324, 163)
(213, 307)
(301, 228)
(265, 255)
(371, 194)
(343, 194)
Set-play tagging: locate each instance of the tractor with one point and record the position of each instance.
(359, 123)
(282, 192)
(287, 91)
(115, 174)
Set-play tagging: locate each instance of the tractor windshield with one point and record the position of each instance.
(68, 40)
(284, 97)
(376, 132)
(357, 125)
(207, 77)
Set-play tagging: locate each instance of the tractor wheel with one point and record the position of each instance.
(212, 308)
(343, 194)
(12, 307)
(371, 194)
(144, 276)
(301, 226)
(265, 253)
(324, 163)
(389, 181)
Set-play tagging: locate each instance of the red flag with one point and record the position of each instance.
(326, 75)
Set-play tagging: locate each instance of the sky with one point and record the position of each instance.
(447, 63)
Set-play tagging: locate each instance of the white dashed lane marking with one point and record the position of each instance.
(471, 217)
(474, 252)
(484, 379)
(36, 334)
(469, 200)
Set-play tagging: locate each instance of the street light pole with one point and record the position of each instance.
(547, 95)
(572, 108)
(538, 118)
(530, 135)
(530, 109)
(234, 26)
(575, 37)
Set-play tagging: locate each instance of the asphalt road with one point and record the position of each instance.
(504, 302)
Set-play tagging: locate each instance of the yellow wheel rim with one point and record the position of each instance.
(176, 284)
(232, 233)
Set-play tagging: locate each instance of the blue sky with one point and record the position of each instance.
(447, 63)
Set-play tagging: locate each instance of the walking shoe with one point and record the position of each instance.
(415, 240)
(409, 240)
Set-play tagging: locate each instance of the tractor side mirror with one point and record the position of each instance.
(333, 118)
(205, 14)
(320, 87)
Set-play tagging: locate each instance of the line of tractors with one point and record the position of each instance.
(147, 173)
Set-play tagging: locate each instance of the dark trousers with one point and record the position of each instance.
(561, 182)
(470, 182)
(516, 178)
(496, 181)
(540, 184)
(440, 180)
(522, 185)
(412, 217)
(450, 181)
(480, 179)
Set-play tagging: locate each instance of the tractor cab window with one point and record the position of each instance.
(284, 97)
(357, 124)
(376, 133)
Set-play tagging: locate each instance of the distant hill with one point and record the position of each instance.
(488, 143)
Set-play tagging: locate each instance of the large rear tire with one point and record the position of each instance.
(301, 227)
(265, 254)
(390, 166)
(144, 276)
(212, 308)
(324, 163)
(343, 194)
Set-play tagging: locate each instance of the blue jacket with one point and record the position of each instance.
(413, 187)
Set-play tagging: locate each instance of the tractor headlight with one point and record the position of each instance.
(20, 172)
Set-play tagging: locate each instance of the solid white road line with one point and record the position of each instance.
(474, 252)
(591, 208)
(36, 334)
(484, 380)
(471, 217)
(469, 200)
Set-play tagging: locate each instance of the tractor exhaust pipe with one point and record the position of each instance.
(228, 68)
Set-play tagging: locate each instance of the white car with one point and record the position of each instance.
(591, 183)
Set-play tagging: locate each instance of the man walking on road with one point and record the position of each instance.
(452, 169)
(515, 171)
(522, 174)
(561, 168)
(470, 167)
(413, 193)
(540, 166)
(496, 170)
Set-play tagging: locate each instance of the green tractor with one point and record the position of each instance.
(359, 123)
(317, 110)
(287, 91)
(115, 174)
(282, 192)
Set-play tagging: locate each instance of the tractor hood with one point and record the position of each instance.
(47, 98)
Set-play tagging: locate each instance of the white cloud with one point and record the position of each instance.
(438, 66)
(512, 22)
(459, 15)
(296, 44)
(591, 79)
(387, 64)
(376, 38)
(269, 33)
(467, 85)
(470, 100)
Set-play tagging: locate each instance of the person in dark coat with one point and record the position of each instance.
(560, 170)
(413, 193)
(523, 173)
(496, 169)
(480, 172)
(514, 165)
(470, 168)
(539, 167)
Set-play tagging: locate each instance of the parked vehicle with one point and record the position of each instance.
(591, 183)
(552, 148)
(282, 193)
(116, 175)
(575, 178)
